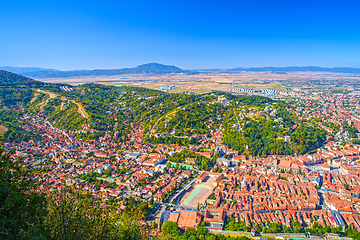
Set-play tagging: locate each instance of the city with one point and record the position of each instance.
(168, 120)
(231, 191)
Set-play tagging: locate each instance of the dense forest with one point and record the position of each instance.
(15, 80)
(196, 118)
(263, 132)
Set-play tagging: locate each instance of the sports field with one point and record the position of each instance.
(198, 194)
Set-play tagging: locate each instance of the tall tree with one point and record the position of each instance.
(22, 209)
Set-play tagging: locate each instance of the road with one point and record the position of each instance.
(51, 94)
(81, 110)
(237, 120)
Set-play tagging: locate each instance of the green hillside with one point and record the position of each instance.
(252, 125)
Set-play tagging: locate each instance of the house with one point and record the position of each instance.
(325, 166)
(159, 196)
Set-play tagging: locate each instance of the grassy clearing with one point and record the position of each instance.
(3, 129)
(36, 94)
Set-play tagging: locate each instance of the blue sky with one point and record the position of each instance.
(189, 34)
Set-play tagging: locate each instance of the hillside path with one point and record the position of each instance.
(81, 109)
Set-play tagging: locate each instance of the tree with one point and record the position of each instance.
(190, 232)
(202, 231)
(296, 225)
(130, 226)
(22, 210)
(192, 237)
(169, 228)
(336, 230)
(74, 215)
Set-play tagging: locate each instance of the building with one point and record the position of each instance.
(218, 179)
(185, 219)
(191, 161)
(325, 166)
(288, 166)
(214, 219)
(102, 155)
(202, 177)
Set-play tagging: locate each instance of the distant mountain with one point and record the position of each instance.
(156, 68)
(149, 68)
(21, 70)
(297, 69)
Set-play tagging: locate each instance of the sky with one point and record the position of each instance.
(69, 35)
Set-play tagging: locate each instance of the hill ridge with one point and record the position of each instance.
(8, 78)
(148, 68)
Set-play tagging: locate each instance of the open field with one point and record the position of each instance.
(206, 82)
(198, 193)
(3, 129)
(36, 94)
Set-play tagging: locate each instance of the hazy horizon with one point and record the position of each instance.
(56, 69)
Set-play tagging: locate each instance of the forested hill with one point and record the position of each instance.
(149, 68)
(20, 95)
(252, 125)
(12, 79)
